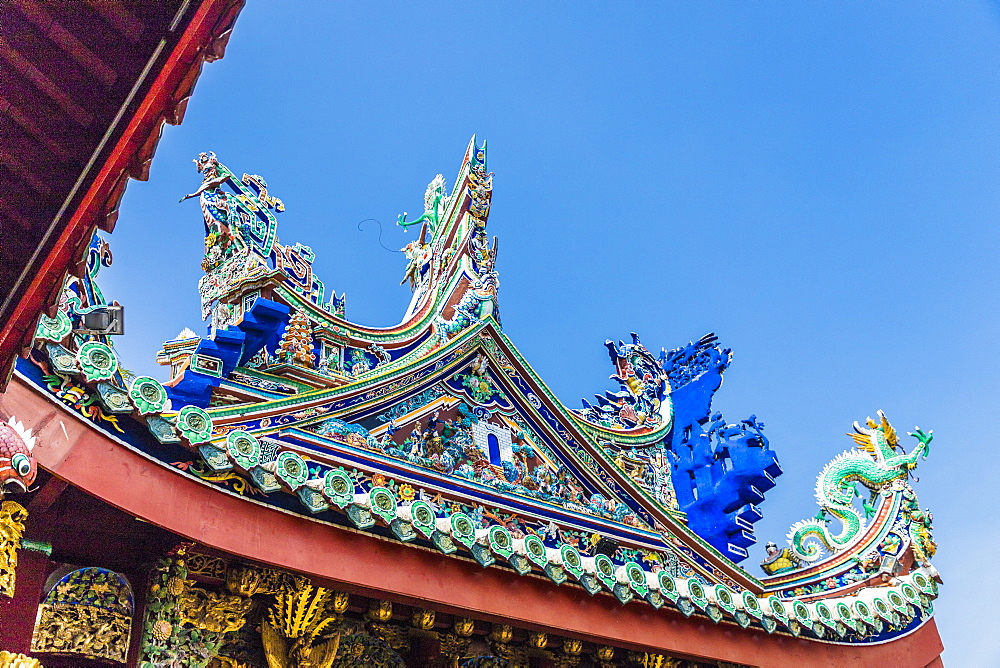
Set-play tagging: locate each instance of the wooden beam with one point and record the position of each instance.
(28, 70)
(13, 162)
(14, 215)
(46, 496)
(29, 125)
(120, 18)
(67, 41)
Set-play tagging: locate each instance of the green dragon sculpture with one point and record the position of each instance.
(876, 467)
(435, 202)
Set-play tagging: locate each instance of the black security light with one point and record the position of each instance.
(103, 320)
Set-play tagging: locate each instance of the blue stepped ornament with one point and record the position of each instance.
(215, 358)
(263, 325)
(720, 470)
(211, 361)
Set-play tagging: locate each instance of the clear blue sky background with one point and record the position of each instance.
(815, 182)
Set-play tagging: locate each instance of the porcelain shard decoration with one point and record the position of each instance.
(876, 466)
(437, 434)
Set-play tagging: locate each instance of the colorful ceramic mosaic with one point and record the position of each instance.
(437, 432)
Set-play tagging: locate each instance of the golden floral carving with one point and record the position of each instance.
(251, 580)
(302, 630)
(648, 660)
(226, 662)
(276, 582)
(88, 612)
(423, 619)
(502, 633)
(395, 637)
(538, 640)
(501, 636)
(380, 611)
(244, 581)
(339, 602)
(454, 647)
(82, 629)
(12, 518)
(218, 613)
(206, 566)
(12, 660)
(572, 646)
(464, 627)
(162, 629)
(571, 651)
(176, 586)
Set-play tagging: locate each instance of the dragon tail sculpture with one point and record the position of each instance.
(876, 465)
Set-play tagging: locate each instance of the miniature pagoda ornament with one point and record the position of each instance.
(296, 346)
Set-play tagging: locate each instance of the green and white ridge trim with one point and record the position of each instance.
(271, 468)
(865, 613)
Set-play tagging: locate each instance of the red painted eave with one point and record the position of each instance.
(76, 451)
(65, 188)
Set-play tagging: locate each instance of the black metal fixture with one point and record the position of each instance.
(106, 320)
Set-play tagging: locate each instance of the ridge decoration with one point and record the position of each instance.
(877, 466)
(437, 432)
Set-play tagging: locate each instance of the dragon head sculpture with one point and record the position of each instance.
(17, 467)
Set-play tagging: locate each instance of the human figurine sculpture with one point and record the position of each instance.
(416, 440)
(778, 560)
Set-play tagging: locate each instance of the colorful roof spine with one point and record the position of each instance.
(437, 432)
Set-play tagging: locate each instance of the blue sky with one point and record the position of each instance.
(814, 182)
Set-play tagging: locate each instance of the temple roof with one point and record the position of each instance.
(437, 432)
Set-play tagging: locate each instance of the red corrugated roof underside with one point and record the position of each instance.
(85, 88)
